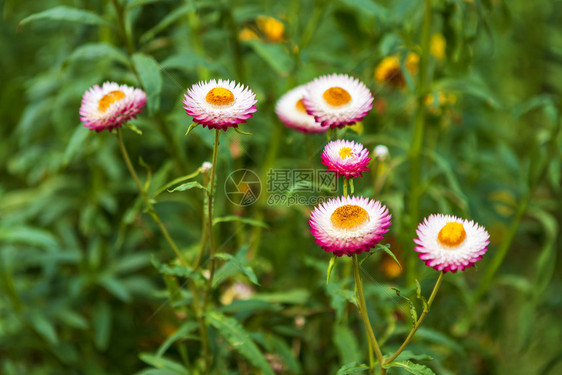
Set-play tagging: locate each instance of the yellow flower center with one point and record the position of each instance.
(452, 234)
(300, 106)
(220, 96)
(336, 96)
(110, 98)
(349, 216)
(345, 152)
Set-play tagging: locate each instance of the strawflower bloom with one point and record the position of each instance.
(337, 100)
(448, 243)
(219, 104)
(273, 29)
(346, 158)
(290, 109)
(109, 106)
(388, 71)
(349, 225)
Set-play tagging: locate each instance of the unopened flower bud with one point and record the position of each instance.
(381, 153)
(206, 167)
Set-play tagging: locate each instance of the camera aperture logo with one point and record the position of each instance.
(242, 187)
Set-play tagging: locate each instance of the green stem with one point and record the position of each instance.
(146, 200)
(420, 320)
(345, 187)
(363, 310)
(236, 49)
(204, 226)
(196, 40)
(156, 218)
(122, 28)
(417, 141)
(210, 218)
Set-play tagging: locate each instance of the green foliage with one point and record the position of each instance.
(90, 285)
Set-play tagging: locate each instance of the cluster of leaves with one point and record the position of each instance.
(85, 275)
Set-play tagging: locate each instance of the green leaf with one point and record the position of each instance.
(367, 7)
(387, 250)
(64, 13)
(421, 297)
(188, 186)
(162, 363)
(76, 142)
(44, 327)
(133, 128)
(177, 181)
(412, 368)
(182, 333)
(239, 131)
(248, 271)
(28, 236)
(286, 352)
(136, 3)
(406, 355)
(187, 61)
(331, 266)
(191, 127)
(243, 220)
(352, 368)
(102, 325)
(95, 51)
(346, 344)
(179, 271)
(293, 296)
(115, 287)
(166, 22)
(235, 334)
(151, 77)
(413, 312)
(72, 319)
(274, 55)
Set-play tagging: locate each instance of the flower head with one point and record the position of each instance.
(389, 72)
(290, 109)
(346, 158)
(448, 243)
(206, 167)
(437, 46)
(337, 100)
(273, 29)
(349, 225)
(219, 104)
(381, 153)
(109, 106)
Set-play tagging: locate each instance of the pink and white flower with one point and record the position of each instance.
(349, 225)
(290, 109)
(337, 100)
(111, 105)
(346, 158)
(219, 104)
(448, 243)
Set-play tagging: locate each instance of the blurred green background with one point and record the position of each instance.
(81, 291)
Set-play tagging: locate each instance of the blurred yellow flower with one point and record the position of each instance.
(390, 268)
(436, 101)
(437, 46)
(247, 34)
(504, 202)
(273, 29)
(388, 71)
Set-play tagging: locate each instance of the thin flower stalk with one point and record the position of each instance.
(420, 319)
